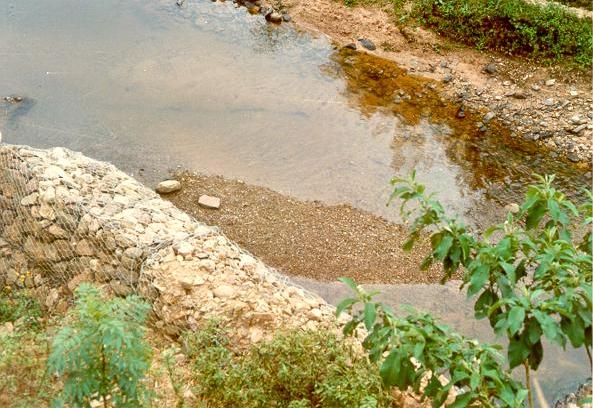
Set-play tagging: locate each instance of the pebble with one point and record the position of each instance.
(535, 87)
(488, 117)
(286, 18)
(350, 46)
(209, 201)
(548, 102)
(460, 113)
(168, 186)
(491, 68)
(368, 44)
(447, 78)
(274, 17)
(513, 208)
(579, 129)
(550, 82)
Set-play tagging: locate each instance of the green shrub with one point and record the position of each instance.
(101, 354)
(295, 369)
(23, 354)
(549, 33)
(512, 26)
(475, 369)
(532, 282)
(19, 306)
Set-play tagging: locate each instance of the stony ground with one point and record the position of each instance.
(305, 238)
(550, 107)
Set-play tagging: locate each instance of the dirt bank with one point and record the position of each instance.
(550, 107)
(305, 238)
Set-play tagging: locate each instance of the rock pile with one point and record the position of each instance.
(66, 219)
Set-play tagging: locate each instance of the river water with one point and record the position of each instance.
(150, 87)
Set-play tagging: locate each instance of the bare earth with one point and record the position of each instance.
(306, 238)
(549, 115)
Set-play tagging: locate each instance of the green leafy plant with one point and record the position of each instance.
(21, 307)
(532, 281)
(101, 354)
(417, 351)
(295, 369)
(23, 352)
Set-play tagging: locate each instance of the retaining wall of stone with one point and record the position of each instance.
(65, 219)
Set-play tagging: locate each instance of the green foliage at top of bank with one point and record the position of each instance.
(548, 33)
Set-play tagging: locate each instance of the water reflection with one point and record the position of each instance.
(493, 162)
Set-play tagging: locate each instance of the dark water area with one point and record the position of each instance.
(208, 87)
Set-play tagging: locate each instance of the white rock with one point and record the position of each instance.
(168, 186)
(224, 291)
(184, 249)
(209, 201)
(550, 82)
(513, 208)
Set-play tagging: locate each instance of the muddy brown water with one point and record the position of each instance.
(150, 86)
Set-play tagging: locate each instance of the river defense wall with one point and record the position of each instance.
(67, 219)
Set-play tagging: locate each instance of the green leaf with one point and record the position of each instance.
(549, 327)
(517, 352)
(391, 368)
(486, 299)
(443, 249)
(350, 283)
(478, 278)
(574, 330)
(370, 314)
(343, 305)
(534, 216)
(515, 317)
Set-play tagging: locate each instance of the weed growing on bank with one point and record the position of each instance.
(296, 369)
(101, 353)
(547, 33)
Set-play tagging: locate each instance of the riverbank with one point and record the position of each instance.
(550, 107)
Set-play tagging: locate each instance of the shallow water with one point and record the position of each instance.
(150, 87)
(147, 85)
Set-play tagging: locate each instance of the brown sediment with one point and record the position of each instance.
(304, 238)
(423, 52)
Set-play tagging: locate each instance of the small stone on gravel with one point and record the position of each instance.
(168, 186)
(350, 46)
(209, 201)
(488, 117)
(490, 68)
(550, 82)
(448, 78)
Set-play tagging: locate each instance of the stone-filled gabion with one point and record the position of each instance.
(66, 219)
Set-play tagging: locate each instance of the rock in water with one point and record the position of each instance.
(368, 44)
(209, 201)
(168, 186)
